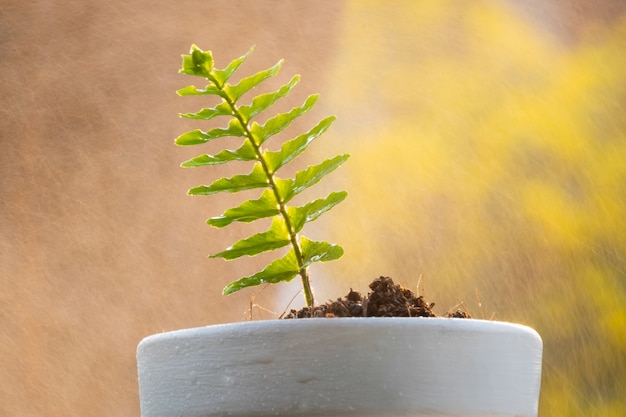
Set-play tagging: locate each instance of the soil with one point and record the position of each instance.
(387, 299)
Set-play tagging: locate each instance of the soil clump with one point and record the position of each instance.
(386, 299)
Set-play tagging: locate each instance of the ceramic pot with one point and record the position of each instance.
(386, 367)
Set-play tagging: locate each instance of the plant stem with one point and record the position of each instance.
(293, 237)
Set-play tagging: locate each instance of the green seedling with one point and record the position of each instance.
(287, 221)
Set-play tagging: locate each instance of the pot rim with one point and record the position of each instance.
(339, 322)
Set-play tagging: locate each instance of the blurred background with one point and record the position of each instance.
(488, 143)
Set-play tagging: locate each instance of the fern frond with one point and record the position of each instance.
(287, 221)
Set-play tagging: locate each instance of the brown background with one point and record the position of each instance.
(99, 244)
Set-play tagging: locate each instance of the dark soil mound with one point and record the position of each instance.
(386, 300)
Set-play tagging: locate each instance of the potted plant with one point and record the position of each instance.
(320, 366)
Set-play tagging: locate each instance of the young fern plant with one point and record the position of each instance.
(287, 221)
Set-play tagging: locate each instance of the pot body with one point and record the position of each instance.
(385, 367)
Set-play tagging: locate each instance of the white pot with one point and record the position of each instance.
(342, 367)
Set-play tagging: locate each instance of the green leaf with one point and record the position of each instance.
(198, 62)
(244, 153)
(311, 211)
(277, 123)
(263, 101)
(276, 237)
(255, 179)
(286, 268)
(221, 76)
(196, 137)
(235, 92)
(309, 177)
(313, 251)
(294, 147)
(195, 91)
(281, 270)
(222, 109)
(248, 211)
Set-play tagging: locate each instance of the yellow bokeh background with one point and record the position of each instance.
(489, 161)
